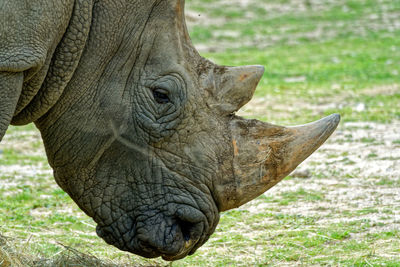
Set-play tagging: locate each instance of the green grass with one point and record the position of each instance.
(323, 81)
(341, 69)
(292, 196)
(337, 57)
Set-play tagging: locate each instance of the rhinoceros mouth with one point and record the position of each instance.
(178, 241)
(171, 237)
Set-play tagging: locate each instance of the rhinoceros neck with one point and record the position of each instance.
(97, 94)
(41, 91)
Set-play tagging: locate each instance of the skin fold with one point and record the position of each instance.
(139, 129)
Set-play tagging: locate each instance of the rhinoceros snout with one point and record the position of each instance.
(171, 237)
(193, 236)
(178, 241)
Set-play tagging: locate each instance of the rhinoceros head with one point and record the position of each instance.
(145, 138)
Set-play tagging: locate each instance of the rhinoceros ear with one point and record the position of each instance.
(235, 86)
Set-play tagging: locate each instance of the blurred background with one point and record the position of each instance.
(321, 56)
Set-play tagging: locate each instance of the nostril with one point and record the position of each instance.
(186, 229)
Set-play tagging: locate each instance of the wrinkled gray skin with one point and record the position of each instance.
(139, 129)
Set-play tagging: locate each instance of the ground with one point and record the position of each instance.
(341, 207)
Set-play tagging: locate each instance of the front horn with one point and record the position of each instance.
(263, 154)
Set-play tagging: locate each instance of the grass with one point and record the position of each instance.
(354, 64)
(321, 57)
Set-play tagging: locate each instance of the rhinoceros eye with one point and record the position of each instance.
(160, 96)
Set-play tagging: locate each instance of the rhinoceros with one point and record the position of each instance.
(139, 129)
